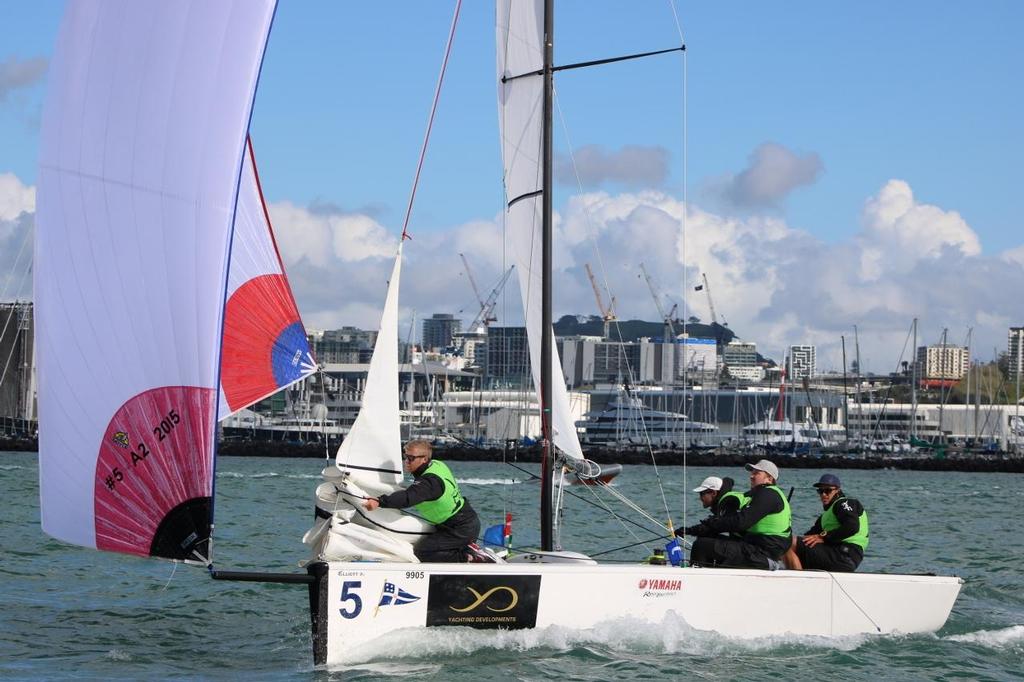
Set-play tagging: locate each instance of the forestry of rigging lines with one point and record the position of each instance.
(668, 317)
(486, 314)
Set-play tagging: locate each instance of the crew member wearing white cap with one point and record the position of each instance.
(765, 523)
(717, 496)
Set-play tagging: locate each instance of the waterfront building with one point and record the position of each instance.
(996, 425)
(439, 331)
(942, 364)
(494, 416)
(729, 410)
(17, 387)
(699, 359)
(344, 345)
(801, 362)
(592, 360)
(1015, 351)
(740, 360)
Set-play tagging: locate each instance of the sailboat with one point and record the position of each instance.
(143, 202)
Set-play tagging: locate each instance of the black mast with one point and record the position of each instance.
(547, 453)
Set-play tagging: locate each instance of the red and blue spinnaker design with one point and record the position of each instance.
(265, 346)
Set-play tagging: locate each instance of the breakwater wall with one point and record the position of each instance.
(976, 462)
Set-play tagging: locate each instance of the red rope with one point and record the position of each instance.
(430, 122)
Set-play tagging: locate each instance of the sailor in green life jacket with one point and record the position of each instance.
(837, 540)
(436, 497)
(718, 497)
(763, 525)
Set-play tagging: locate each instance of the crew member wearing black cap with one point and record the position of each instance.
(837, 540)
(765, 523)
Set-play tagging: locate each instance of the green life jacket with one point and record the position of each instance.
(829, 523)
(743, 499)
(776, 524)
(443, 508)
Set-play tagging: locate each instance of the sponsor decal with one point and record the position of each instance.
(483, 601)
(660, 584)
(121, 438)
(659, 587)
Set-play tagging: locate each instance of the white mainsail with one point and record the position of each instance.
(372, 450)
(141, 150)
(520, 51)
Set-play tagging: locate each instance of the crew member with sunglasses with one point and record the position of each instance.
(436, 497)
(837, 540)
(764, 526)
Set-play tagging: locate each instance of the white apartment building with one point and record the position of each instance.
(942, 362)
(801, 362)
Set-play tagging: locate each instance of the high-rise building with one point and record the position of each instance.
(801, 362)
(439, 331)
(1015, 350)
(508, 356)
(942, 362)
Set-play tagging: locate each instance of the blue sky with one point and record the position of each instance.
(799, 115)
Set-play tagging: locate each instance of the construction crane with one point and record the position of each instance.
(670, 332)
(472, 283)
(711, 303)
(607, 314)
(486, 314)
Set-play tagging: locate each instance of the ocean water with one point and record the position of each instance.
(71, 613)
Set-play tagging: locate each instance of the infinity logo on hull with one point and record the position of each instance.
(481, 598)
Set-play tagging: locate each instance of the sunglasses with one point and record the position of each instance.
(411, 458)
(826, 491)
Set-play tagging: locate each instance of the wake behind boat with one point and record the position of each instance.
(148, 190)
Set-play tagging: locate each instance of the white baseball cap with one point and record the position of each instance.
(709, 483)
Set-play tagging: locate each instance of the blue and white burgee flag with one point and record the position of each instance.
(395, 595)
(495, 535)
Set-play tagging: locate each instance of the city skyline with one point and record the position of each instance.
(829, 184)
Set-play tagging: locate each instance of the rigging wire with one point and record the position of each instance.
(588, 223)
(683, 225)
(430, 121)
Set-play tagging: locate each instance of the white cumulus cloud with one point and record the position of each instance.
(15, 197)
(898, 232)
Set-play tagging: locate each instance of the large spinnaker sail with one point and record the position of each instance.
(265, 345)
(521, 51)
(141, 150)
(372, 450)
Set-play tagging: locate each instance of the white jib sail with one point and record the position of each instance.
(372, 450)
(520, 50)
(141, 148)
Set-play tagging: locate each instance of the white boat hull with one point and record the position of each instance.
(351, 606)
